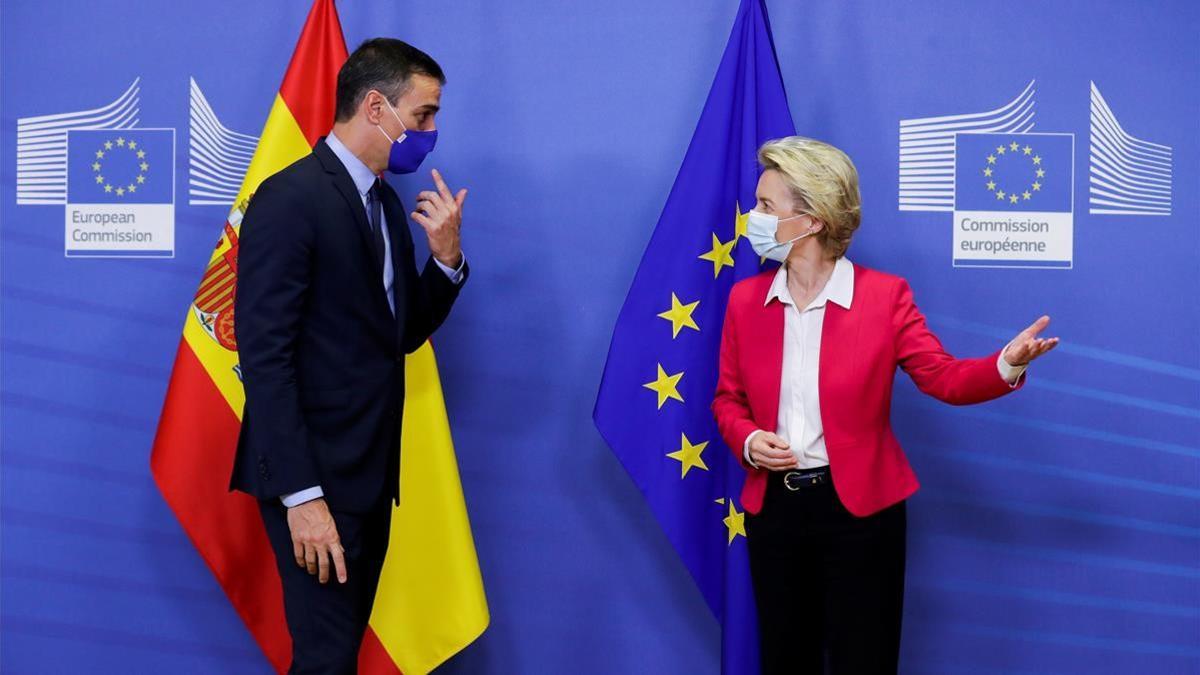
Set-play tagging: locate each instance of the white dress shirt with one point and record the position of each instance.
(364, 178)
(799, 421)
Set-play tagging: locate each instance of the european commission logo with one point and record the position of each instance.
(120, 193)
(1013, 200)
(116, 179)
(1011, 189)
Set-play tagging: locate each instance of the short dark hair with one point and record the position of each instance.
(383, 64)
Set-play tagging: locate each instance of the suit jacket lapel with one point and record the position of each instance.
(837, 370)
(345, 186)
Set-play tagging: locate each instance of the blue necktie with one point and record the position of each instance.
(374, 213)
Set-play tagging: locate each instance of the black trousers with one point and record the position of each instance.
(829, 585)
(327, 621)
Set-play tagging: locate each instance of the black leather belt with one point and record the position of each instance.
(806, 478)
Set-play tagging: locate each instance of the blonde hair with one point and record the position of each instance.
(823, 181)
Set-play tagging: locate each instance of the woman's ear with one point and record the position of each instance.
(815, 225)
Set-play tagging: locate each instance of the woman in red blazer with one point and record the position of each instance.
(808, 354)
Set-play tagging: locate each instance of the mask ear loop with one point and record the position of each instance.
(403, 134)
(795, 239)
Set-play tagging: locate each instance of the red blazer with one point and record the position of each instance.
(860, 349)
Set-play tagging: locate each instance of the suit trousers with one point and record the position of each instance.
(829, 585)
(327, 621)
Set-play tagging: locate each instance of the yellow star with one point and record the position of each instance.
(987, 171)
(108, 188)
(95, 166)
(1026, 194)
(991, 159)
(108, 145)
(1000, 194)
(120, 192)
(1027, 149)
(99, 154)
(144, 166)
(1037, 159)
(735, 522)
(99, 180)
(1037, 185)
(1000, 149)
(1012, 198)
(719, 255)
(1013, 146)
(680, 315)
(689, 456)
(131, 188)
(132, 145)
(666, 386)
(991, 184)
(740, 222)
(1041, 173)
(141, 154)
(120, 142)
(141, 179)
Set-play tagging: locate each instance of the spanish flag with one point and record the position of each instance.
(430, 603)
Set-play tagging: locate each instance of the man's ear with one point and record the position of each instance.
(372, 106)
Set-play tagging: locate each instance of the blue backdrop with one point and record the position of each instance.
(1058, 530)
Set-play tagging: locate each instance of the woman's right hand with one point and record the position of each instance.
(771, 452)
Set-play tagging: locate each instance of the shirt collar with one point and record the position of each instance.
(360, 173)
(839, 289)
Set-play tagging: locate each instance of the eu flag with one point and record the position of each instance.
(653, 405)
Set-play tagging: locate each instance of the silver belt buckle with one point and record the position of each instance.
(794, 480)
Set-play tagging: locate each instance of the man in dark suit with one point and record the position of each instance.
(328, 303)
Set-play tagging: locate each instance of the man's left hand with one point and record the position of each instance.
(440, 213)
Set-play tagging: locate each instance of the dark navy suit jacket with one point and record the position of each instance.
(322, 356)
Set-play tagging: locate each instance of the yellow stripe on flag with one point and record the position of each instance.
(218, 362)
(282, 143)
(430, 603)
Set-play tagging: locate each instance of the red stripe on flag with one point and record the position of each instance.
(191, 461)
(310, 85)
(373, 659)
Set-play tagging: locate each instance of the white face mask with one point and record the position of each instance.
(761, 229)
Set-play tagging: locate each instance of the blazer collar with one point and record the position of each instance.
(838, 290)
(345, 185)
(360, 173)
